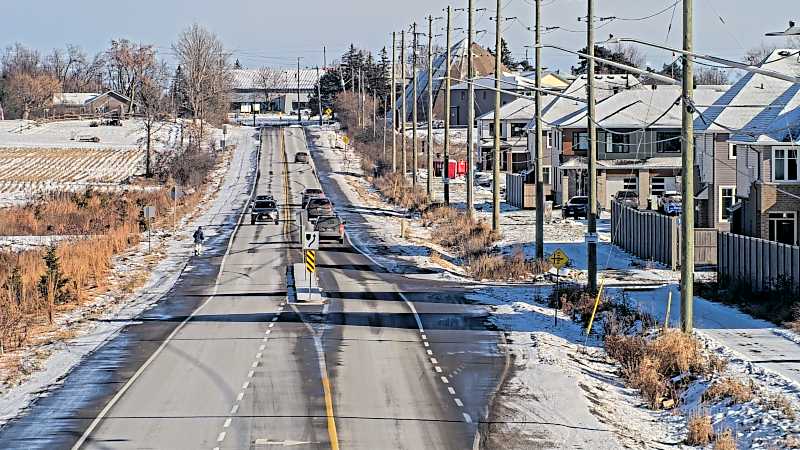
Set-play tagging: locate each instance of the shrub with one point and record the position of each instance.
(725, 440)
(700, 431)
(729, 388)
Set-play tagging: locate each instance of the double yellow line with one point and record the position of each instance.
(333, 436)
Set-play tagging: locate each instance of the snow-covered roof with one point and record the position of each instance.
(656, 106)
(279, 79)
(73, 98)
(509, 81)
(658, 162)
(759, 108)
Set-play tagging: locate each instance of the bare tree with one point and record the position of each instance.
(153, 106)
(127, 63)
(756, 55)
(31, 92)
(206, 70)
(710, 75)
(269, 80)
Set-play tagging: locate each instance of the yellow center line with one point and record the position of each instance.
(333, 436)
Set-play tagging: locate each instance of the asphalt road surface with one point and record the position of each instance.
(231, 360)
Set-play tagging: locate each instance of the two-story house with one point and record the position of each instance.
(638, 143)
(761, 116)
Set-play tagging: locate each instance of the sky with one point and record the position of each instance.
(274, 33)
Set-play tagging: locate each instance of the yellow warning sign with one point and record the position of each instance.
(311, 261)
(346, 139)
(558, 259)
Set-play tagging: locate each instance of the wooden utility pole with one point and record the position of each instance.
(319, 97)
(538, 139)
(299, 114)
(403, 144)
(498, 73)
(394, 101)
(591, 236)
(429, 140)
(447, 63)
(687, 175)
(470, 111)
(414, 101)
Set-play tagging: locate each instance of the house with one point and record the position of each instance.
(108, 103)
(638, 143)
(514, 83)
(755, 128)
(272, 89)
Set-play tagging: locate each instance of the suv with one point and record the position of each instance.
(330, 227)
(310, 193)
(627, 198)
(577, 207)
(317, 207)
(670, 203)
(301, 157)
(264, 209)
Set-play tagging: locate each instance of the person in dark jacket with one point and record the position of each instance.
(198, 241)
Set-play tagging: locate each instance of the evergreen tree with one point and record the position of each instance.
(352, 63)
(237, 65)
(178, 93)
(52, 283)
(506, 58)
(620, 56)
(330, 85)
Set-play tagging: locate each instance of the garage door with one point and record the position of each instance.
(616, 183)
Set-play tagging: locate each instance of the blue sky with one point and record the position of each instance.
(269, 32)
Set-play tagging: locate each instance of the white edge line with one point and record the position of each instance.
(177, 329)
(467, 418)
(221, 437)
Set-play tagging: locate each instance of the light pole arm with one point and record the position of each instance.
(625, 67)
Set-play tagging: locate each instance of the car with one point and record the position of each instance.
(318, 207)
(301, 157)
(310, 193)
(264, 209)
(627, 198)
(330, 228)
(670, 203)
(577, 207)
(483, 180)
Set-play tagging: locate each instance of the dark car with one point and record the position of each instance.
(310, 193)
(330, 228)
(317, 207)
(301, 157)
(627, 198)
(577, 207)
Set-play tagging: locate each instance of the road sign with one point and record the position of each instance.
(558, 259)
(175, 193)
(149, 212)
(311, 261)
(256, 107)
(245, 108)
(328, 111)
(311, 240)
(346, 139)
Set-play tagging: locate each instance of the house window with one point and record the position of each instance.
(783, 227)
(657, 186)
(727, 197)
(731, 151)
(784, 164)
(630, 184)
(618, 143)
(517, 129)
(668, 141)
(580, 141)
(546, 174)
(549, 139)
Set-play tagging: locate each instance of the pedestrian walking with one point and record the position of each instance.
(198, 241)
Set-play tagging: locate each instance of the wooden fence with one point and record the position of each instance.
(760, 263)
(653, 236)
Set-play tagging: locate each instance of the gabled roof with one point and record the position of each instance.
(279, 79)
(115, 94)
(509, 81)
(73, 98)
(657, 162)
(759, 108)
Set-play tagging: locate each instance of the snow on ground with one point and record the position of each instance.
(67, 134)
(758, 351)
(170, 258)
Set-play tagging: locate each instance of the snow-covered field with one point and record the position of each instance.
(101, 319)
(67, 134)
(563, 384)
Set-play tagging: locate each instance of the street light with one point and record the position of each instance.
(727, 62)
(793, 30)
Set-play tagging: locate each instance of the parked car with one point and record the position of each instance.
(577, 207)
(301, 157)
(627, 198)
(670, 203)
(310, 193)
(330, 228)
(264, 209)
(317, 207)
(483, 180)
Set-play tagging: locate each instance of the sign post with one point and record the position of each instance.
(174, 194)
(558, 259)
(310, 247)
(149, 213)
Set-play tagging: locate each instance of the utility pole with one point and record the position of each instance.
(592, 219)
(404, 145)
(324, 57)
(446, 165)
(299, 116)
(394, 102)
(385, 119)
(470, 111)
(687, 175)
(538, 140)
(496, 154)
(414, 143)
(429, 141)
(319, 97)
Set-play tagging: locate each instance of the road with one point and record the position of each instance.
(230, 361)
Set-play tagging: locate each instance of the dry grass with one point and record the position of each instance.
(701, 433)
(725, 440)
(791, 441)
(730, 388)
(502, 267)
(780, 403)
(397, 190)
